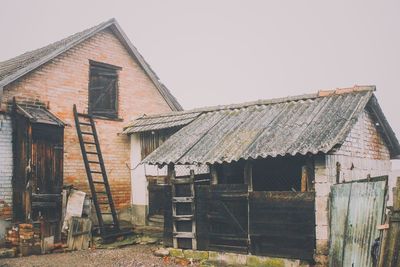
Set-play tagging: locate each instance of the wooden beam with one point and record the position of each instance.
(248, 175)
(304, 178)
(214, 175)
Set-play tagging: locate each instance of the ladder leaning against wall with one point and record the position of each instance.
(97, 175)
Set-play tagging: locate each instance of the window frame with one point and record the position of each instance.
(112, 115)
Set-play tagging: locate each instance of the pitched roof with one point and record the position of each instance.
(12, 69)
(39, 115)
(304, 124)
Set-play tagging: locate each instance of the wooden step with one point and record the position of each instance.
(182, 181)
(182, 199)
(184, 235)
(182, 217)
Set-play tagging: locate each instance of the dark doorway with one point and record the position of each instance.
(38, 138)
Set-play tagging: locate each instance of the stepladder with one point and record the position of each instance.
(183, 209)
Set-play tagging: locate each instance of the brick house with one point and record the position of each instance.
(101, 72)
(273, 167)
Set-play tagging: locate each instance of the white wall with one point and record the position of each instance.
(138, 177)
(6, 170)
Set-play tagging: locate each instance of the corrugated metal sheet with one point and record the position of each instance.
(356, 210)
(299, 126)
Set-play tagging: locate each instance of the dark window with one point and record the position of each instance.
(103, 90)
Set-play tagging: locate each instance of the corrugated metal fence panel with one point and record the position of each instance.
(339, 209)
(356, 210)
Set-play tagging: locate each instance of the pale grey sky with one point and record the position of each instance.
(213, 52)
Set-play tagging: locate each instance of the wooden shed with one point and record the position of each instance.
(266, 170)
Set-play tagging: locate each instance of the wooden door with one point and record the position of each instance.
(47, 176)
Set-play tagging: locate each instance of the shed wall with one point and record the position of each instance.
(64, 82)
(6, 168)
(363, 153)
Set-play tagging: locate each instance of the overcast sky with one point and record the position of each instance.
(221, 52)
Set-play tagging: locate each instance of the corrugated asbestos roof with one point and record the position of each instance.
(151, 123)
(12, 69)
(297, 125)
(39, 115)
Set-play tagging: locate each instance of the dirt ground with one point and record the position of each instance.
(131, 256)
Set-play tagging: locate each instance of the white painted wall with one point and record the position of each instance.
(6, 171)
(138, 177)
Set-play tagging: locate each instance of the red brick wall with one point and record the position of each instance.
(64, 82)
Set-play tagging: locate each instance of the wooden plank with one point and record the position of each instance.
(184, 235)
(46, 197)
(177, 181)
(183, 217)
(282, 224)
(214, 175)
(248, 175)
(182, 199)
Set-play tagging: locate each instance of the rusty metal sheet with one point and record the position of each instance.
(356, 210)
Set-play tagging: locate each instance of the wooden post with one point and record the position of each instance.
(304, 178)
(248, 175)
(307, 176)
(390, 244)
(170, 170)
(214, 175)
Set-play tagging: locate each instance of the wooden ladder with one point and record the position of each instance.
(94, 165)
(176, 201)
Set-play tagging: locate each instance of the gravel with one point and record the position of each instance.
(132, 256)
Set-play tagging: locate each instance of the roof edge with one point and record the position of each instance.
(163, 90)
(22, 72)
(387, 131)
(320, 93)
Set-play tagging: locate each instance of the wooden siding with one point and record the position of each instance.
(282, 224)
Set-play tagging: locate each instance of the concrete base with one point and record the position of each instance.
(139, 214)
(213, 258)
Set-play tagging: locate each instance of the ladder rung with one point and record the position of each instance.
(184, 235)
(182, 199)
(183, 217)
(87, 133)
(83, 115)
(96, 172)
(91, 152)
(106, 213)
(101, 192)
(85, 123)
(94, 162)
(89, 143)
(182, 181)
(98, 182)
